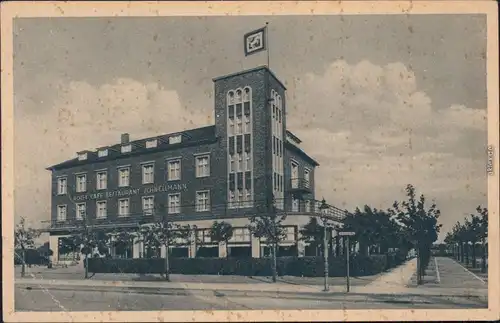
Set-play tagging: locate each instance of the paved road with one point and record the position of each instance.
(453, 275)
(56, 300)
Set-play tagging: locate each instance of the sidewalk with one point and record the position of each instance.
(396, 279)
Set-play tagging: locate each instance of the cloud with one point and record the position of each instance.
(86, 117)
(373, 131)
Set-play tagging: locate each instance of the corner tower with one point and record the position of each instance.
(250, 124)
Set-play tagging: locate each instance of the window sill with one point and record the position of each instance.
(173, 180)
(203, 176)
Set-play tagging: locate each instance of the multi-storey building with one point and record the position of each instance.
(227, 171)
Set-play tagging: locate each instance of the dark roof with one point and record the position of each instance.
(250, 71)
(301, 153)
(190, 137)
(293, 137)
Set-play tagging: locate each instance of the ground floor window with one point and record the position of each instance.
(179, 252)
(240, 251)
(282, 251)
(208, 252)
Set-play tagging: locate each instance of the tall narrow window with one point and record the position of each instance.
(123, 207)
(61, 212)
(148, 173)
(174, 203)
(295, 205)
(307, 178)
(202, 166)
(148, 205)
(231, 127)
(239, 163)
(101, 209)
(81, 183)
(246, 128)
(232, 163)
(239, 125)
(307, 206)
(101, 180)
(202, 201)
(123, 176)
(80, 211)
(174, 170)
(62, 185)
(248, 161)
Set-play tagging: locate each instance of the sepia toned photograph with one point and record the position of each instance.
(209, 161)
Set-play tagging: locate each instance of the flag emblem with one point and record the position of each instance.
(255, 41)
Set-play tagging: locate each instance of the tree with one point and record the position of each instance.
(374, 228)
(312, 233)
(420, 225)
(122, 240)
(24, 238)
(483, 234)
(221, 232)
(186, 235)
(89, 239)
(266, 224)
(161, 233)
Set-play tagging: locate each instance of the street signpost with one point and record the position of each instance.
(347, 234)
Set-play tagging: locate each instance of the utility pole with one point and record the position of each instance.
(347, 265)
(347, 235)
(324, 209)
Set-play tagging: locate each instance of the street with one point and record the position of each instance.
(55, 300)
(449, 286)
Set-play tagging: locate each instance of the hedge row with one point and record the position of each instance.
(286, 266)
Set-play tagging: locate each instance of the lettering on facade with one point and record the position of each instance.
(130, 192)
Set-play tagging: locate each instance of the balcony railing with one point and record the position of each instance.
(305, 207)
(300, 184)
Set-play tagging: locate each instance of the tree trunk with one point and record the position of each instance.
(473, 254)
(23, 263)
(462, 251)
(227, 249)
(419, 271)
(483, 257)
(86, 266)
(467, 253)
(167, 263)
(274, 263)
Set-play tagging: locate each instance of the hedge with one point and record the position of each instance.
(286, 266)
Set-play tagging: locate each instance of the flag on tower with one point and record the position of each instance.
(255, 41)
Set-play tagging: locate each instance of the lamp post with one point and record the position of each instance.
(324, 210)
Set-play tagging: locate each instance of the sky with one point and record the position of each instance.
(379, 101)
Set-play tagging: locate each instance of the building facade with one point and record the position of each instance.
(223, 172)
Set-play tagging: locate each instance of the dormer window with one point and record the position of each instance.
(126, 148)
(82, 156)
(151, 143)
(102, 153)
(174, 139)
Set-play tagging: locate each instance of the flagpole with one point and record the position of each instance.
(267, 44)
